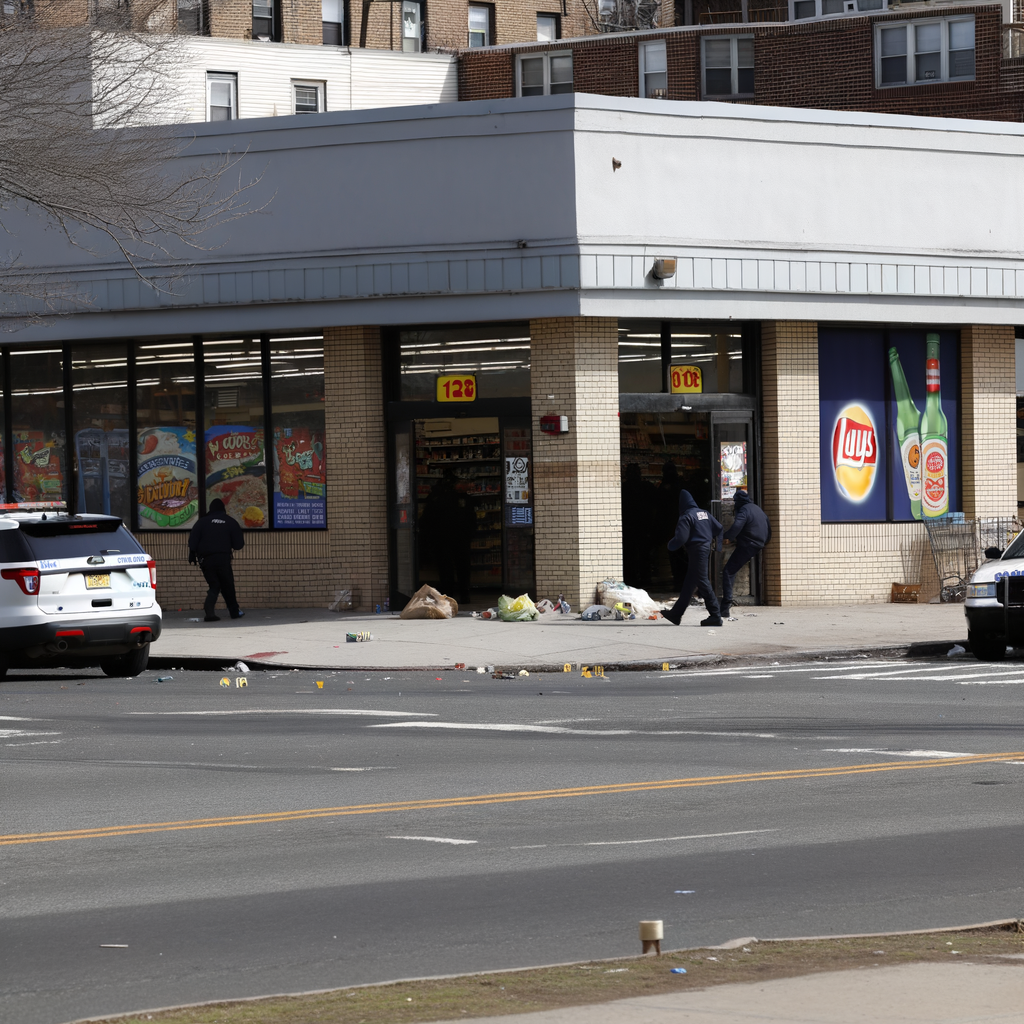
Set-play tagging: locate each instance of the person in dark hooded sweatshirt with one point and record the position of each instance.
(750, 531)
(210, 544)
(695, 531)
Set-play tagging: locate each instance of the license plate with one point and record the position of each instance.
(101, 581)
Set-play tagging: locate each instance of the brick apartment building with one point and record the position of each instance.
(730, 291)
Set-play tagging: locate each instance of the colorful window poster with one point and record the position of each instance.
(168, 485)
(236, 472)
(732, 467)
(38, 467)
(300, 479)
(888, 401)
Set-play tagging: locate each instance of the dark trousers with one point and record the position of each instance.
(742, 554)
(696, 580)
(219, 577)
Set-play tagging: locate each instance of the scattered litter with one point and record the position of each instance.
(955, 650)
(491, 613)
(733, 618)
(358, 638)
(750, 615)
(545, 607)
(746, 949)
(678, 970)
(193, 620)
(460, 664)
(949, 943)
(501, 674)
(480, 669)
(617, 970)
(715, 958)
(684, 892)
(611, 593)
(519, 609)
(955, 952)
(164, 679)
(596, 612)
(778, 623)
(623, 610)
(113, 945)
(523, 672)
(225, 681)
(879, 952)
(562, 606)
(428, 603)
(240, 666)
(342, 601)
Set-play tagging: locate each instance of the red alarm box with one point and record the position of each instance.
(554, 424)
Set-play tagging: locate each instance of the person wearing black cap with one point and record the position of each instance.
(750, 531)
(696, 530)
(210, 545)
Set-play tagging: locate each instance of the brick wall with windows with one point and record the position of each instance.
(822, 64)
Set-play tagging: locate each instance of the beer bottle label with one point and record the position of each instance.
(910, 452)
(935, 492)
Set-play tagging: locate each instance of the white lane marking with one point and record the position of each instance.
(10, 734)
(990, 682)
(780, 669)
(558, 730)
(675, 839)
(16, 718)
(984, 676)
(889, 673)
(539, 846)
(438, 839)
(567, 721)
(32, 743)
(896, 753)
(374, 768)
(295, 711)
(758, 677)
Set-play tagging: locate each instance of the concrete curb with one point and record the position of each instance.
(730, 944)
(919, 650)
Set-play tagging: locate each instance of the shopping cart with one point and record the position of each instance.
(958, 547)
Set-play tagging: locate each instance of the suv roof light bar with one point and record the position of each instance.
(30, 506)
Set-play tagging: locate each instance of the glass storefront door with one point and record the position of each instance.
(732, 451)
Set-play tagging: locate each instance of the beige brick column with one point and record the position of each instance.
(792, 488)
(577, 491)
(356, 462)
(989, 410)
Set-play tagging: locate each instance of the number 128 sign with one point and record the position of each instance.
(686, 380)
(456, 387)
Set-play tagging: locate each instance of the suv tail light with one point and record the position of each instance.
(27, 579)
(151, 566)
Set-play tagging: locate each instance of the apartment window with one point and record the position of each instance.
(653, 70)
(266, 20)
(548, 28)
(728, 66)
(412, 26)
(221, 96)
(923, 52)
(333, 14)
(480, 26)
(801, 10)
(309, 97)
(193, 18)
(545, 74)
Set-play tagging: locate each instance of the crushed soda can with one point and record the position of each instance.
(358, 638)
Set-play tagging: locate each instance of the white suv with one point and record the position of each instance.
(75, 590)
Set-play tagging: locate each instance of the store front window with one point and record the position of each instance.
(1020, 422)
(39, 426)
(681, 357)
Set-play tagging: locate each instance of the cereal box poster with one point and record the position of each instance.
(168, 488)
(38, 466)
(300, 486)
(236, 472)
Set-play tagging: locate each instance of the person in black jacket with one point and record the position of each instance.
(696, 530)
(210, 545)
(750, 531)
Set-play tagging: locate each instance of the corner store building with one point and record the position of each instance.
(788, 226)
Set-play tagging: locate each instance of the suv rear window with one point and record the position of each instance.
(63, 539)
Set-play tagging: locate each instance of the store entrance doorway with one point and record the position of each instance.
(463, 508)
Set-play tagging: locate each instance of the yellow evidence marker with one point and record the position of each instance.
(567, 667)
(319, 684)
(241, 681)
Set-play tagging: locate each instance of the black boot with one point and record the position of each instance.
(712, 620)
(672, 616)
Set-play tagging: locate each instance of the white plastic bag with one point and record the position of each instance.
(610, 593)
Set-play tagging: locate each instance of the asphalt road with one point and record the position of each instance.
(280, 837)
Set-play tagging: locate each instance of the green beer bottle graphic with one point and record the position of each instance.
(934, 431)
(908, 419)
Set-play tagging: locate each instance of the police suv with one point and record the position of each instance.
(75, 590)
(995, 602)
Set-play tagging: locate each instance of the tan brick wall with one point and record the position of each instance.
(231, 19)
(356, 445)
(301, 20)
(576, 475)
(989, 411)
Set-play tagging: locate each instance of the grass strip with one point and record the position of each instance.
(548, 988)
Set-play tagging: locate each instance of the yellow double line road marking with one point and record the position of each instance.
(484, 799)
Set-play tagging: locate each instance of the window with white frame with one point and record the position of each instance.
(479, 25)
(309, 97)
(653, 70)
(544, 74)
(924, 52)
(221, 96)
(802, 10)
(412, 26)
(332, 13)
(727, 66)
(548, 28)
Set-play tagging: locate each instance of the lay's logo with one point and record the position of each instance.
(854, 452)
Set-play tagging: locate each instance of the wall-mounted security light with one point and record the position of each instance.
(664, 268)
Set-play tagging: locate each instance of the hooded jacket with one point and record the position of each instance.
(751, 526)
(695, 526)
(215, 535)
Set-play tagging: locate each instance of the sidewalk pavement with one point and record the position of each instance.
(929, 993)
(315, 638)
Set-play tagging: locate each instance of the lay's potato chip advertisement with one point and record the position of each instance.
(889, 424)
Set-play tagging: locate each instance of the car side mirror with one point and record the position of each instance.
(993, 553)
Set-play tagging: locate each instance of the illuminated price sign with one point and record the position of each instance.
(686, 380)
(456, 387)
